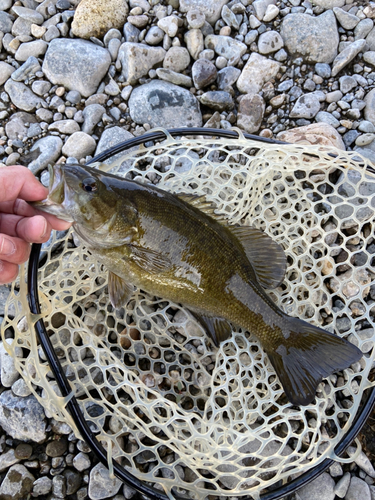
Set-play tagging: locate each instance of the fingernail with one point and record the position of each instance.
(44, 228)
(7, 247)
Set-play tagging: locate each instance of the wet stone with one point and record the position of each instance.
(23, 451)
(57, 447)
(73, 481)
(17, 484)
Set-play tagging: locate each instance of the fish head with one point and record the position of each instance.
(83, 195)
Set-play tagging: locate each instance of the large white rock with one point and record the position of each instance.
(257, 71)
(137, 59)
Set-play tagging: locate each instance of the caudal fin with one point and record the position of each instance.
(308, 355)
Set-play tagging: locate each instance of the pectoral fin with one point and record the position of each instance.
(266, 256)
(119, 290)
(149, 260)
(217, 328)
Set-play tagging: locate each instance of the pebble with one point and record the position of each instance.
(169, 25)
(229, 17)
(57, 447)
(195, 18)
(93, 18)
(49, 148)
(272, 11)
(227, 47)
(92, 115)
(314, 134)
(342, 485)
(22, 418)
(67, 127)
(321, 487)
(147, 104)
(347, 55)
(358, 489)
(362, 461)
(8, 459)
(21, 96)
(204, 73)
(6, 22)
(17, 483)
(76, 64)
(20, 388)
(363, 28)
(257, 71)
(26, 70)
(210, 8)
(79, 145)
(154, 36)
(250, 112)
(81, 461)
(5, 71)
(325, 117)
(369, 110)
(217, 100)
(347, 20)
(101, 485)
(9, 373)
(314, 38)
(227, 76)
(177, 59)
(269, 42)
(110, 137)
(177, 78)
(194, 42)
(42, 486)
(31, 49)
(370, 40)
(137, 59)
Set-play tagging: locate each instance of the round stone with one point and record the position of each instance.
(195, 18)
(96, 17)
(204, 73)
(177, 59)
(79, 145)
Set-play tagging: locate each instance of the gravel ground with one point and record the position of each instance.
(78, 77)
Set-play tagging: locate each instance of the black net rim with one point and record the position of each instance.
(64, 386)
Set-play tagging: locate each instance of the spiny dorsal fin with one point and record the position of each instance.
(265, 255)
(204, 205)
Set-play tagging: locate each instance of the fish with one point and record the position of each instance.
(176, 247)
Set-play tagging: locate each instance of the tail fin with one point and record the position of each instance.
(308, 355)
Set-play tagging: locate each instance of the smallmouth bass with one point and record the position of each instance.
(175, 247)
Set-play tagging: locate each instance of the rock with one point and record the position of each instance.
(169, 25)
(364, 140)
(110, 137)
(367, 151)
(369, 57)
(16, 127)
(194, 42)
(250, 113)
(177, 78)
(342, 485)
(81, 461)
(8, 459)
(131, 33)
(21, 96)
(307, 106)
(227, 47)
(9, 373)
(67, 127)
(137, 59)
(92, 114)
(195, 19)
(323, 70)
(29, 68)
(369, 110)
(363, 28)
(76, 64)
(347, 83)
(217, 100)
(96, 17)
(347, 55)
(271, 12)
(139, 21)
(177, 59)
(17, 484)
(314, 38)
(49, 148)
(20, 388)
(112, 88)
(329, 4)
(358, 489)
(5, 71)
(314, 134)
(101, 485)
(260, 7)
(74, 97)
(347, 20)
(229, 18)
(214, 121)
(204, 73)
(370, 40)
(257, 71)
(154, 36)
(57, 447)
(210, 8)
(320, 488)
(28, 14)
(73, 481)
(5, 4)
(42, 486)
(22, 418)
(31, 49)
(362, 461)
(6, 22)
(325, 117)
(79, 145)
(270, 42)
(164, 104)
(226, 77)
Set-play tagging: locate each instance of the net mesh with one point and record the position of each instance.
(167, 405)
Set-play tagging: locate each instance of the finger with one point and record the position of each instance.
(18, 182)
(13, 250)
(8, 272)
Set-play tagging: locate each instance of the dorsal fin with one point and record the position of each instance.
(204, 205)
(266, 256)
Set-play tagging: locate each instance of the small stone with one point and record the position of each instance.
(358, 489)
(257, 71)
(362, 461)
(227, 47)
(204, 73)
(347, 20)
(26, 70)
(9, 373)
(366, 127)
(23, 451)
(342, 485)
(38, 31)
(59, 486)
(137, 60)
(318, 489)
(217, 100)
(5, 71)
(81, 461)
(227, 76)
(336, 470)
(93, 18)
(177, 78)
(229, 17)
(21, 96)
(112, 88)
(49, 148)
(42, 486)
(31, 49)
(210, 8)
(8, 459)
(131, 33)
(177, 59)
(260, 8)
(195, 18)
(369, 57)
(347, 55)
(79, 145)
(370, 40)
(17, 484)
(271, 12)
(323, 70)
(325, 117)
(72, 480)
(194, 42)
(154, 36)
(101, 485)
(250, 113)
(221, 62)
(307, 106)
(314, 134)
(110, 137)
(347, 83)
(92, 114)
(169, 25)
(369, 110)
(67, 127)
(269, 42)
(364, 140)
(138, 21)
(57, 447)
(6, 22)
(20, 388)
(214, 121)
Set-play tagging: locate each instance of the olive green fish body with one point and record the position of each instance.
(174, 246)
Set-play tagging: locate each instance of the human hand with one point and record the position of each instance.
(21, 224)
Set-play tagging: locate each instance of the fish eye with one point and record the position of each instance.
(89, 185)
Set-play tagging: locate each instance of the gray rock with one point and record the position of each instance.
(28, 14)
(79, 145)
(347, 55)
(67, 127)
(137, 60)
(270, 42)
(20, 388)
(164, 104)
(9, 374)
(50, 149)
(31, 49)
(204, 73)
(217, 100)
(323, 70)
(92, 114)
(314, 38)
(342, 485)
(250, 113)
(367, 151)
(5, 4)
(362, 461)
(81, 461)
(307, 106)
(358, 489)
(29, 68)
(17, 484)
(347, 83)
(8, 459)
(318, 489)
(110, 137)
(16, 127)
(59, 486)
(336, 470)
(77, 64)
(73, 481)
(73, 96)
(131, 33)
(257, 71)
(22, 418)
(42, 486)
(169, 25)
(227, 47)
(369, 57)
(6, 22)
(329, 4)
(229, 18)
(214, 121)
(370, 40)
(21, 96)
(40, 87)
(101, 485)
(113, 48)
(363, 28)
(112, 88)
(210, 8)
(366, 126)
(177, 59)
(194, 42)
(154, 36)
(5, 71)
(347, 20)
(325, 117)
(177, 78)
(226, 77)
(195, 18)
